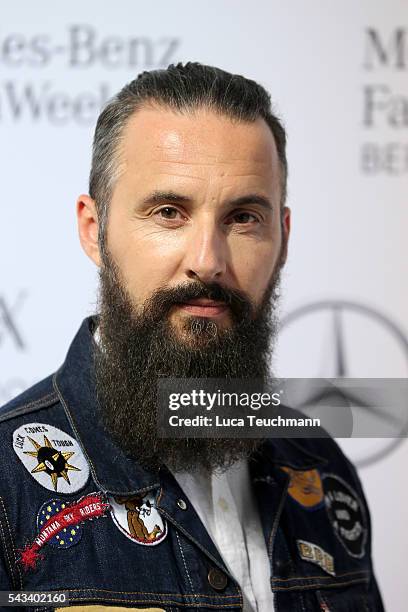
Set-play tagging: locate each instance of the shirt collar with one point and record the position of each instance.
(112, 470)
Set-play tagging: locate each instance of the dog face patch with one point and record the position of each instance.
(305, 487)
(61, 524)
(52, 457)
(137, 517)
(346, 514)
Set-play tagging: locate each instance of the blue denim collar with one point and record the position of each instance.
(112, 470)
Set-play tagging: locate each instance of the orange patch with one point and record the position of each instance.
(305, 487)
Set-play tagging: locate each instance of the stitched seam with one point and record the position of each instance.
(204, 550)
(13, 546)
(3, 537)
(138, 491)
(143, 593)
(12, 568)
(70, 419)
(143, 601)
(37, 403)
(159, 496)
(321, 577)
(12, 543)
(272, 537)
(326, 586)
(184, 563)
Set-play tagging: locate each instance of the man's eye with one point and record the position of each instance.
(244, 217)
(168, 212)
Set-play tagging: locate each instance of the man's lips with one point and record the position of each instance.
(203, 307)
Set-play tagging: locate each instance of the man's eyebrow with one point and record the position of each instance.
(252, 198)
(161, 197)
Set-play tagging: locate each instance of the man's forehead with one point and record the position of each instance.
(201, 136)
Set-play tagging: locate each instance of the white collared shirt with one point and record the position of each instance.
(228, 510)
(226, 506)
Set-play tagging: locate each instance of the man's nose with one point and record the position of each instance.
(206, 253)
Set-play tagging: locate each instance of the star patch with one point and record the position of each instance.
(305, 487)
(58, 524)
(346, 514)
(51, 456)
(138, 518)
(69, 535)
(315, 554)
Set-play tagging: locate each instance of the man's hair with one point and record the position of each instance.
(180, 88)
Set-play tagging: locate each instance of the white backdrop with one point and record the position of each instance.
(338, 75)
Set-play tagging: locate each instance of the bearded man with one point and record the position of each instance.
(186, 220)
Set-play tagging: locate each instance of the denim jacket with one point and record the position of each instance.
(78, 515)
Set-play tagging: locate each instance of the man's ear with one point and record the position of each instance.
(285, 229)
(88, 227)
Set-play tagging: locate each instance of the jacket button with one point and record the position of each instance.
(182, 504)
(217, 579)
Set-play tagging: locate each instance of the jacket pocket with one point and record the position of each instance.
(350, 599)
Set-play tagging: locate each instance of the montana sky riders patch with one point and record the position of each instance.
(67, 536)
(58, 524)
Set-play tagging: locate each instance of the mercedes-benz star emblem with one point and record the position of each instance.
(343, 339)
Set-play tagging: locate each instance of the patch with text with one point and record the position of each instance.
(346, 513)
(61, 525)
(52, 457)
(315, 554)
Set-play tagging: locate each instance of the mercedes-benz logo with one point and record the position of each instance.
(344, 339)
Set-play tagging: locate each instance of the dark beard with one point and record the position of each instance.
(138, 345)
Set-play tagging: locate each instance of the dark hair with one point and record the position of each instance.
(179, 87)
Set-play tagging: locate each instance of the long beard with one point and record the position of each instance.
(139, 345)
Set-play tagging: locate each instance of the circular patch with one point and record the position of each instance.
(138, 518)
(67, 536)
(346, 513)
(52, 457)
(305, 487)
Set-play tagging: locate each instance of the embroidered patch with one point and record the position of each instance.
(313, 553)
(305, 487)
(346, 513)
(51, 456)
(60, 523)
(138, 518)
(67, 536)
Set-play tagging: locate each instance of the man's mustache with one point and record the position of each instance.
(161, 301)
